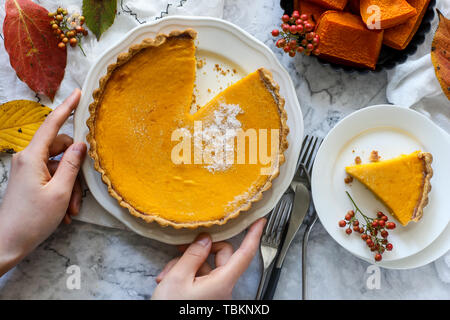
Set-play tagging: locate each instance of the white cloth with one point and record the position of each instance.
(413, 84)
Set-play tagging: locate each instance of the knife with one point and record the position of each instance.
(300, 208)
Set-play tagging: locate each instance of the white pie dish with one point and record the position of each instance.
(241, 52)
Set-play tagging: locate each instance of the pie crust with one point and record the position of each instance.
(427, 159)
(123, 58)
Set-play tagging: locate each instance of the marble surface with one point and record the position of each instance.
(118, 264)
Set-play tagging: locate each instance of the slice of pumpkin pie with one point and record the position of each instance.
(401, 183)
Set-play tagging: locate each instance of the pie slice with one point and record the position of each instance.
(401, 183)
(141, 105)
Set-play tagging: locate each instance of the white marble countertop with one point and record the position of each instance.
(118, 264)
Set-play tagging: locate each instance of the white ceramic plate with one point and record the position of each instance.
(218, 42)
(392, 131)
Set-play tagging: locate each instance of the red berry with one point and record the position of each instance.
(300, 28)
(281, 43)
(293, 29)
(295, 15)
(351, 213)
(374, 232)
(361, 230)
(380, 214)
(389, 247)
(285, 27)
(364, 237)
(293, 43)
(356, 228)
(309, 47)
(390, 225)
(375, 223)
(381, 223)
(309, 36)
(342, 223)
(378, 257)
(384, 218)
(308, 27)
(299, 22)
(348, 231)
(316, 52)
(369, 242)
(285, 18)
(292, 53)
(316, 40)
(300, 50)
(286, 49)
(384, 234)
(304, 17)
(356, 223)
(348, 217)
(275, 32)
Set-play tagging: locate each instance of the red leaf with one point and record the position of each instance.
(32, 47)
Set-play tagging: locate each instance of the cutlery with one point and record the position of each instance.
(271, 239)
(301, 186)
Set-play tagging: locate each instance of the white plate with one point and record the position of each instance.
(218, 42)
(392, 131)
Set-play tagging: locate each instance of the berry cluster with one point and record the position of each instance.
(68, 29)
(371, 230)
(297, 35)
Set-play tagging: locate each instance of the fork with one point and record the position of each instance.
(308, 170)
(301, 186)
(271, 239)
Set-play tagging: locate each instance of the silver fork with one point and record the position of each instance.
(307, 167)
(271, 239)
(300, 186)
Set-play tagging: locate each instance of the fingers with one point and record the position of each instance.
(242, 258)
(75, 198)
(67, 219)
(223, 252)
(69, 166)
(166, 269)
(193, 258)
(47, 132)
(59, 145)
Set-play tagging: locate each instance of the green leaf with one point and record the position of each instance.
(99, 15)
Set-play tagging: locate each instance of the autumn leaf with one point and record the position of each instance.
(99, 15)
(440, 53)
(19, 120)
(32, 47)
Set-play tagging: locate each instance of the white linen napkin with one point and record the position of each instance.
(413, 84)
(130, 13)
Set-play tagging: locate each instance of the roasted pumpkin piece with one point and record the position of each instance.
(331, 4)
(400, 36)
(313, 10)
(391, 12)
(344, 39)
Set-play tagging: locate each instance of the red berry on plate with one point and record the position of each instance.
(285, 27)
(380, 214)
(375, 223)
(275, 32)
(381, 223)
(384, 218)
(293, 43)
(356, 223)
(285, 18)
(348, 231)
(384, 234)
(364, 237)
(286, 49)
(342, 223)
(292, 53)
(369, 242)
(300, 28)
(378, 257)
(281, 43)
(351, 213)
(389, 247)
(299, 22)
(304, 17)
(390, 225)
(348, 217)
(295, 15)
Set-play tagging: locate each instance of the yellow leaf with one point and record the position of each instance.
(19, 120)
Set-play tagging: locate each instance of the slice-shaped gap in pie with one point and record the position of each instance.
(143, 99)
(401, 183)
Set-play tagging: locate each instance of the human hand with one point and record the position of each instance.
(190, 277)
(41, 192)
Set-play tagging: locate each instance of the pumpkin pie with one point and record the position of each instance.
(401, 183)
(144, 99)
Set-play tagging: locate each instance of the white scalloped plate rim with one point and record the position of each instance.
(244, 42)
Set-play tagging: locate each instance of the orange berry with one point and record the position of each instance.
(73, 42)
(55, 26)
(61, 45)
(65, 40)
